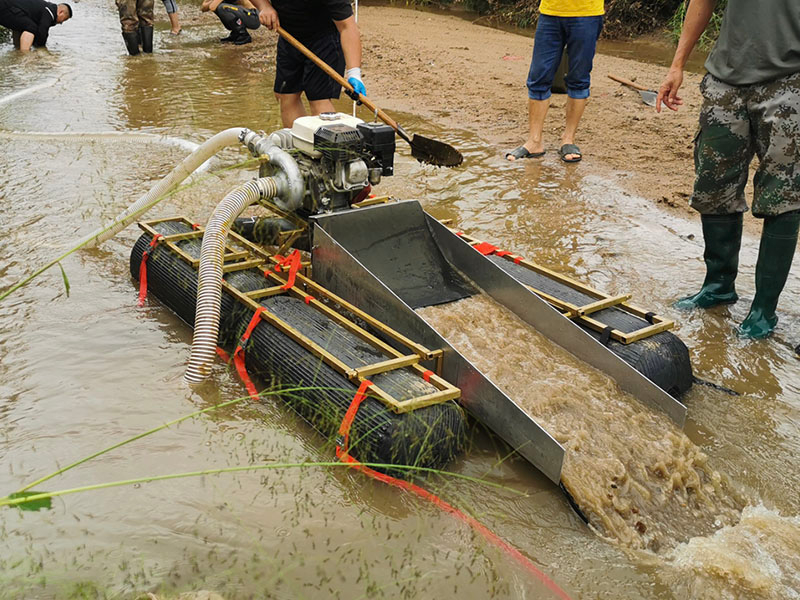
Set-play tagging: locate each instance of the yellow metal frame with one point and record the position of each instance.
(581, 314)
(373, 201)
(267, 263)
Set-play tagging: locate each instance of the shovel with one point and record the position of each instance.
(648, 96)
(423, 149)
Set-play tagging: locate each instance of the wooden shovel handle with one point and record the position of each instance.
(341, 80)
(629, 83)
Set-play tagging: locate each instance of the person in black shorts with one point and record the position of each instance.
(31, 20)
(327, 28)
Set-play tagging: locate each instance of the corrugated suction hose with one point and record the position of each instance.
(209, 283)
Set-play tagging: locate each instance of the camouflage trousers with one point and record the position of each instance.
(133, 13)
(737, 123)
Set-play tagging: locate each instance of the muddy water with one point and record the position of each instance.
(641, 482)
(638, 479)
(82, 371)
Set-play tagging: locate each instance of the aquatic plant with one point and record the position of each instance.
(711, 33)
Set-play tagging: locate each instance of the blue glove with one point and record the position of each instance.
(354, 78)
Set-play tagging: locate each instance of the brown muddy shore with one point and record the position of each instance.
(461, 74)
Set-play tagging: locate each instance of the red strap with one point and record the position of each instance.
(459, 233)
(487, 533)
(143, 268)
(293, 261)
(283, 261)
(342, 446)
(518, 259)
(195, 226)
(427, 375)
(485, 248)
(343, 443)
(238, 354)
(362, 195)
(342, 454)
(308, 299)
(502, 253)
(223, 355)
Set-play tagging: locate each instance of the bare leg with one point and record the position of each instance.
(173, 21)
(291, 108)
(575, 108)
(321, 106)
(537, 110)
(25, 41)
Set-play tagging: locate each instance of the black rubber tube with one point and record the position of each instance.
(663, 358)
(428, 437)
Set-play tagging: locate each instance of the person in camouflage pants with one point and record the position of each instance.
(751, 108)
(136, 18)
(737, 123)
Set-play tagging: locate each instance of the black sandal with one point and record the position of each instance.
(570, 149)
(522, 152)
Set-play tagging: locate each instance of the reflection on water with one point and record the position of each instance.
(79, 372)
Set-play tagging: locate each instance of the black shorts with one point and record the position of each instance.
(294, 73)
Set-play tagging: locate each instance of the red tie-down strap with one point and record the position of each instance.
(362, 195)
(143, 268)
(342, 447)
(485, 248)
(293, 261)
(238, 354)
(343, 442)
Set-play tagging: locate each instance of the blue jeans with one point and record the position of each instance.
(579, 35)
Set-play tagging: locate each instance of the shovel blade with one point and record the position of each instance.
(649, 98)
(435, 152)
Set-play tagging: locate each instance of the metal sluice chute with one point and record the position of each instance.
(391, 258)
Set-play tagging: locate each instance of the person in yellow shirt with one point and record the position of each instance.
(576, 25)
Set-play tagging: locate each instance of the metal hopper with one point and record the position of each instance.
(390, 259)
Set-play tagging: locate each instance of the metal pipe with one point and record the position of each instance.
(209, 277)
(291, 197)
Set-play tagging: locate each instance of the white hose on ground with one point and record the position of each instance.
(29, 90)
(35, 88)
(85, 135)
(209, 276)
(188, 165)
(209, 148)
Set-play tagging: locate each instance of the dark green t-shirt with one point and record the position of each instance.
(759, 41)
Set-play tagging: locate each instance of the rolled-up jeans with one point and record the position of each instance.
(579, 35)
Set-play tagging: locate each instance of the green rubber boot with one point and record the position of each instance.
(723, 238)
(775, 254)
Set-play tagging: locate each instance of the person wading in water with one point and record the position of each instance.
(30, 20)
(751, 107)
(327, 28)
